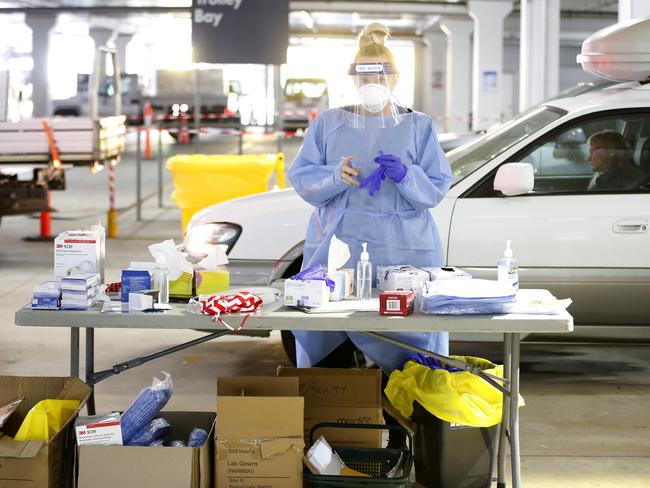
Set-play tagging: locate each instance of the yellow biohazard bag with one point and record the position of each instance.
(45, 419)
(458, 397)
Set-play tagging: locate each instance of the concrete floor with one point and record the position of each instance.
(587, 417)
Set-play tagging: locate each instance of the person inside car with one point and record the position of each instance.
(612, 161)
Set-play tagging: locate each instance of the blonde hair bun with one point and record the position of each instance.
(374, 34)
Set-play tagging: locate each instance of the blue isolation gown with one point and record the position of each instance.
(395, 222)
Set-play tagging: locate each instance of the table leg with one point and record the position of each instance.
(74, 351)
(515, 454)
(505, 419)
(90, 368)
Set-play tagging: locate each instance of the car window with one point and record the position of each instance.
(468, 158)
(609, 153)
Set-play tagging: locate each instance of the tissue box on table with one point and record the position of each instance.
(344, 284)
(337, 255)
(211, 282)
(182, 287)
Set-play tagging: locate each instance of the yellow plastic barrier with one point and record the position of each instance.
(201, 180)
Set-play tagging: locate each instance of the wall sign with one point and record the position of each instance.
(240, 31)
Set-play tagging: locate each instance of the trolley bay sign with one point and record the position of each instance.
(240, 31)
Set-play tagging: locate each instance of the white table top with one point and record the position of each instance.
(277, 317)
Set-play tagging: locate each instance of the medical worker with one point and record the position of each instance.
(372, 170)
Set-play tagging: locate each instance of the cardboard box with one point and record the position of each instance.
(259, 441)
(38, 464)
(342, 396)
(152, 467)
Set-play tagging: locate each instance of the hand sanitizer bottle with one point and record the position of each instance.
(507, 269)
(160, 279)
(364, 275)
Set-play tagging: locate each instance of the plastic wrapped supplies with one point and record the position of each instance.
(197, 438)
(157, 429)
(145, 407)
(467, 296)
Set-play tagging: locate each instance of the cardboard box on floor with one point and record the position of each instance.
(259, 439)
(152, 467)
(342, 396)
(32, 464)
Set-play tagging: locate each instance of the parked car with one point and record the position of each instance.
(591, 246)
(304, 98)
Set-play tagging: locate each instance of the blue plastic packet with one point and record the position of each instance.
(157, 429)
(145, 407)
(197, 438)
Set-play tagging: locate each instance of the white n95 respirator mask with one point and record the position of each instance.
(374, 96)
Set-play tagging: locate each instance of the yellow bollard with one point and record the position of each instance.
(279, 169)
(112, 212)
(112, 224)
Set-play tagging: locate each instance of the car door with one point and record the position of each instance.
(589, 244)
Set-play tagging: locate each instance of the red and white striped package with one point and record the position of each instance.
(241, 302)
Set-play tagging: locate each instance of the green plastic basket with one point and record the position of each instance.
(375, 462)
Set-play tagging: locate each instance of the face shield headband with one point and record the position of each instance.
(360, 69)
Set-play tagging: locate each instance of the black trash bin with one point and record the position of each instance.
(451, 455)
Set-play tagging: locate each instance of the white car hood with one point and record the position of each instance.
(272, 223)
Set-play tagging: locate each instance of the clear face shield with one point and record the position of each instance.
(376, 106)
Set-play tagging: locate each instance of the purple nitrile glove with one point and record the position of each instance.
(373, 181)
(395, 169)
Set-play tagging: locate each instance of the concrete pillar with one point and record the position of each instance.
(433, 71)
(418, 74)
(102, 37)
(487, 83)
(633, 9)
(539, 53)
(458, 76)
(121, 41)
(40, 26)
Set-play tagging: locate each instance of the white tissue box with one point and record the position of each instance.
(306, 294)
(344, 284)
(395, 278)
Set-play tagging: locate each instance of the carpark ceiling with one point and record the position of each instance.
(308, 17)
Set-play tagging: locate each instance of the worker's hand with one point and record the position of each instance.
(348, 173)
(395, 169)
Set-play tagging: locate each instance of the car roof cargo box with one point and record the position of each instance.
(620, 52)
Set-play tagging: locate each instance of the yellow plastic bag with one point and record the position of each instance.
(458, 397)
(45, 419)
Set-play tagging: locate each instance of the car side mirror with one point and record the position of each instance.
(515, 179)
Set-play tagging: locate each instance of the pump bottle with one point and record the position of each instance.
(507, 269)
(364, 275)
(160, 279)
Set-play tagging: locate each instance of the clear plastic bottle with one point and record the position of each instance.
(507, 269)
(364, 275)
(160, 279)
